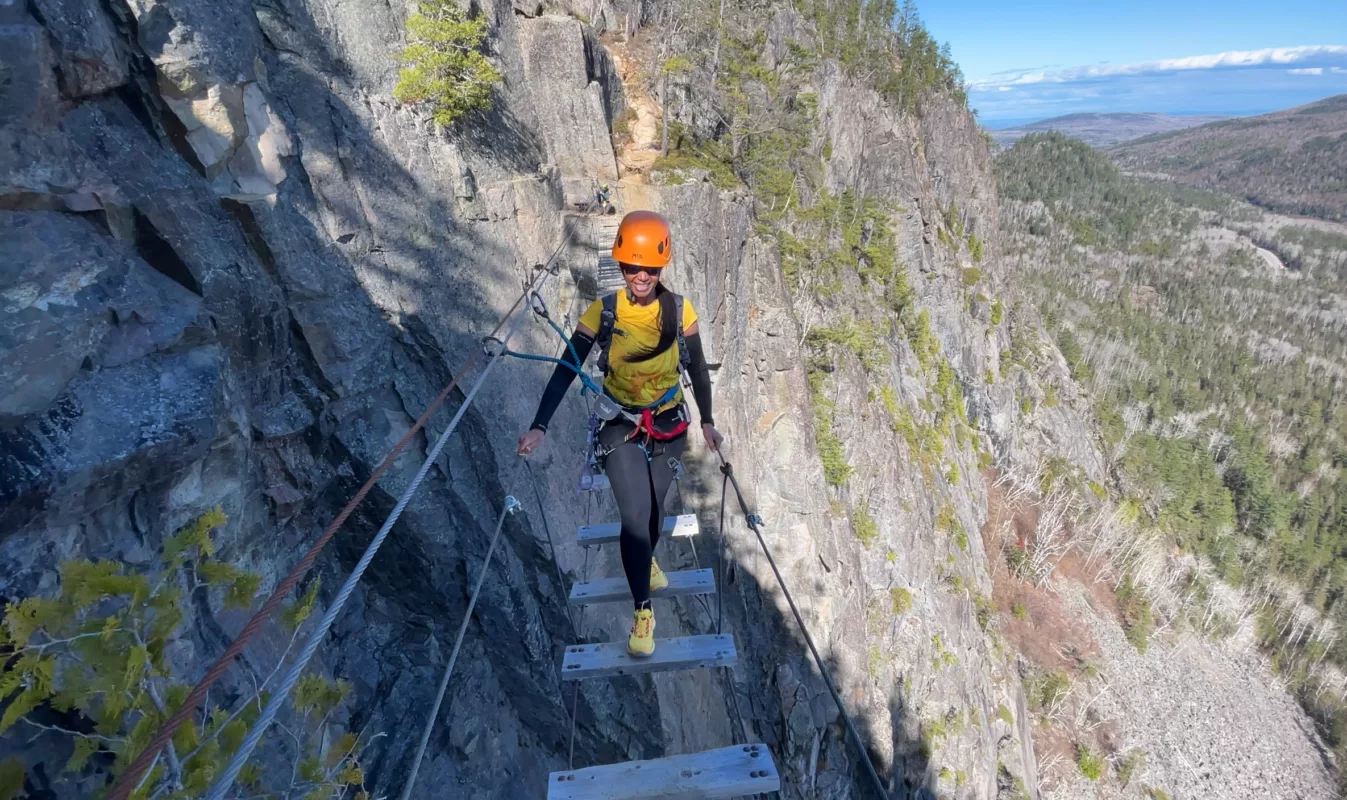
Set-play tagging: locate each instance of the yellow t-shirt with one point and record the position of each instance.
(642, 383)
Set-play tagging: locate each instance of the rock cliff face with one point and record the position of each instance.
(238, 272)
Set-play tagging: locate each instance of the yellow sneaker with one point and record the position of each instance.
(642, 641)
(657, 578)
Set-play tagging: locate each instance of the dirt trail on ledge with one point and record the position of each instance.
(638, 152)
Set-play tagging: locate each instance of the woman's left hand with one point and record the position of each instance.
(713, 437)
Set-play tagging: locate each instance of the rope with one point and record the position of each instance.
(511, 506)
(131, 779)
(720, 590)
(588, 382)
(539, 307)
(273, 707)
(754, 521)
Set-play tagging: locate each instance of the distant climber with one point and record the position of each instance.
(647, 336)
(603, 194)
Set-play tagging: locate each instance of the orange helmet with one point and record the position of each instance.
(643, 239)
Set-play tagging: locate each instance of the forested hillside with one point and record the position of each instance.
(1213, 337)
(1291, 162)
(1103, 130)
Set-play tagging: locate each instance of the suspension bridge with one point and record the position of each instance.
(742, 768)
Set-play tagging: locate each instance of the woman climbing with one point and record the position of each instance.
(644, 442)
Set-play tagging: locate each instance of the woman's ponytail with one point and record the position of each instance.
(668, 327)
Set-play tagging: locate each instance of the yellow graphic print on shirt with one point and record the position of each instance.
(642, 383)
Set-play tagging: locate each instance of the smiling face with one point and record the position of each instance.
(641, 281)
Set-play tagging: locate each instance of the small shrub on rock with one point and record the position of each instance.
(902, 600)
(1091, 765)
(1137, 618)
(864, 524)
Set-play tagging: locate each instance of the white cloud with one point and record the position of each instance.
(1003, 88)
(1308, 71)
(1235, 59)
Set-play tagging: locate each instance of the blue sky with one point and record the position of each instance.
(1041, 58)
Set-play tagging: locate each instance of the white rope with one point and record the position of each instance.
(511, 506)
(226, 780)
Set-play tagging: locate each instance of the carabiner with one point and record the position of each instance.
(536, 303)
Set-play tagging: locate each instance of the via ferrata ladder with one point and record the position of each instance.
(608, 273)
(725, 772)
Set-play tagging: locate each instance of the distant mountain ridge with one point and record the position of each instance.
(1292, 161)
(1104, 130)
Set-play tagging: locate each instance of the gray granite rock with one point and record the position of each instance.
(90, 58)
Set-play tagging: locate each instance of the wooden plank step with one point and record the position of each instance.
(608, 659)
(608, 590)
(726, 772)
(609, 532)
(609, 274)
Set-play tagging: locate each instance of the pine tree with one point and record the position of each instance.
(96, 653)
(445, 67)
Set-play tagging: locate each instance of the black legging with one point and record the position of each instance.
(640, 486)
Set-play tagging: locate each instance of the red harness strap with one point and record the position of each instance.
(648, 422)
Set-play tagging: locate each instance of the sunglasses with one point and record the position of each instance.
(632, 270)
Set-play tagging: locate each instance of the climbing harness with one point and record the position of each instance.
(643, 418)
(606, 408)
(644, 429)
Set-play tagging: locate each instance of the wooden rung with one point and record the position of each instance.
(608, 590)
(610, 532)
(609, 274)
(609, 659)
(727, 772)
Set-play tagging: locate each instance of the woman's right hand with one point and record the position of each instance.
(530, 441)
